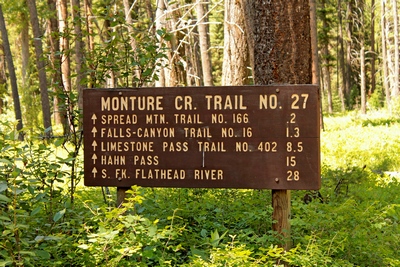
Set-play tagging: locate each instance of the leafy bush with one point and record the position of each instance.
(354, 221)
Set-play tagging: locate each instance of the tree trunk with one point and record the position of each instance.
(106, 36)
(174, 74)
(324, 41)
(79, 47)
(314, 44)
(129, 21)
(314, 54)
(282, 54)
(65, 61)
(348, 83)
(90, 42)
(11, 72)
(342, 87)
(3, 75)
(384, 55)
(55, 61)
(150, 14)
(64, 45)
(373, 56)
(395, 87)
(40, 64)
(25, 50)
(203, 29)
(363, 85)
(193, 63)
(235, 67)
(282, 50)
(160, 23)
(363, 82)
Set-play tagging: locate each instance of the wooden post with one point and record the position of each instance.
(121, 195)
(281, 215)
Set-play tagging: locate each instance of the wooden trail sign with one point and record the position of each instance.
(260, 137)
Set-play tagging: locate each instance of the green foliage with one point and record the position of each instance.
(354, 221)
(131, 58)
(358, 224)
(396, 106)
(217, 40)
(361, 141)
(32, 200)
(376, 100)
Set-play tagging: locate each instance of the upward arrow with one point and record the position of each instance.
(94, 145)
(94, 157)
(94, 171)
(94, 118)
(94, 131)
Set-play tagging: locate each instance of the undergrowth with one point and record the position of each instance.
(352, 221)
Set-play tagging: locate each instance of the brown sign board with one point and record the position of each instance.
(255, 137)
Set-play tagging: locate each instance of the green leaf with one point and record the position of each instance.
(197, 252)
(3, 186)
(6, 161)
(47, 130)
(59, 142)
(30, 253)
(59, 215)
(43, 254)
(4, 198)
(4, 218)
(5, 263)
(214, 240)
(83, 246)
(36, 211)
(31, 190)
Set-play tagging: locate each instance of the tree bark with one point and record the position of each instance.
(314, 54)
(363, 82)
(40, 64)
(25, 50)
(11, 72)
(282, 50)
(79, 50)
(160, 23)
(150, 13)
(373, 56)
(202, 19)
(55, 61)
(64, 45)
(349, 43)
(395, 87)
(342, 67)
(90, 42)
(324, 40)
(385, 77)
(129, 21)
(3, 76)
(174, 74)
(235, 67)
(314, 44)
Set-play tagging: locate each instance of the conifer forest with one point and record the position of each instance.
(54, 51)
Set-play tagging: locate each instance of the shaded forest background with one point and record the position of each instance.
(52, 49)
(57, 47)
